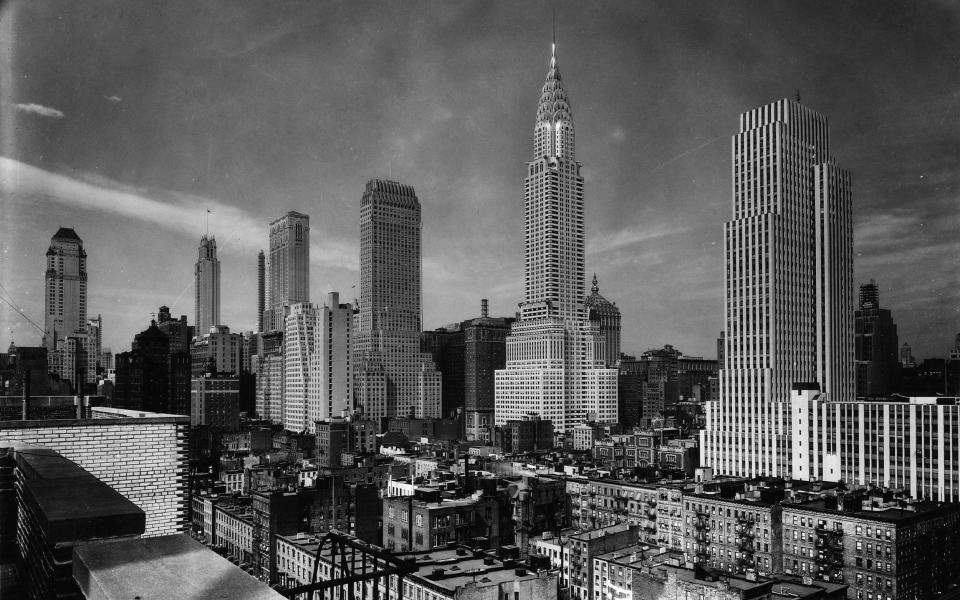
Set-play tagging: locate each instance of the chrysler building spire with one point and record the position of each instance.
(553, 133)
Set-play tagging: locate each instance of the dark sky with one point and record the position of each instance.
(126, 119)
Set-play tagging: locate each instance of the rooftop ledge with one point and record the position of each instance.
(173, 567)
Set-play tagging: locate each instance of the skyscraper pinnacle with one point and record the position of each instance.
(554, 128)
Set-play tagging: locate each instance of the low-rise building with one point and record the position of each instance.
(457, 573)
(428, 520)
(882, 546)
(735, 535)
(572, 552)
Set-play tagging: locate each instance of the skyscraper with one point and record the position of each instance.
(261, 289)
(65, 296)
(391, 376)
(207, 287)
(330, 388)
(875, 345)
(555, 354)
(288, 269)
(299, 341)
(788, 288)
(607, 315)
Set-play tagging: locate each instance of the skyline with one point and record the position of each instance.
(229, 124)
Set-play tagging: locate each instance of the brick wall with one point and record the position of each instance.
(145, 459)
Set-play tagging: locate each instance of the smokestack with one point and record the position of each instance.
(261, 286)
(25, 389)
(484, 308)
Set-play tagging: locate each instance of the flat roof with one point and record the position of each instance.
(458, 569)
(173, 567)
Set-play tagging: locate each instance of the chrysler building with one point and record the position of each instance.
(555, 354)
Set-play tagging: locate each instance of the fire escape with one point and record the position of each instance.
(745, 544)
(701, 536)
(829, 553)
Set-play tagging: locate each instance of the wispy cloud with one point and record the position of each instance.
(629, 236)
(40, 110)
(113, 99)
(172, 211)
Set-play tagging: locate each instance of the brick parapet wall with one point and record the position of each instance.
(143, 459)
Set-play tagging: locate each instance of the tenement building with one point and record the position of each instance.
(392, 377)
(788, 288)
(556, 359)
(883, 547)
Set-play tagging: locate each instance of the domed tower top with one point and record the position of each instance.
(553, 133)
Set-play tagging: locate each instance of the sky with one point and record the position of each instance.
(127, 120)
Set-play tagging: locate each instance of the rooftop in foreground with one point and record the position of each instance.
(173, 567)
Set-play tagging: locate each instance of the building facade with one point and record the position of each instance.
(484, 351)
(875, 345)
(288, 268)
(65, 293)
(602, 311)
(330, 368)
(556, 357)
(788, 287)
(215, 401)
(217, 351)
(906, 443)
(299, 342)
(207, 285)
(392, 377)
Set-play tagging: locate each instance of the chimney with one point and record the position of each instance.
(484, 308)
(25, 389)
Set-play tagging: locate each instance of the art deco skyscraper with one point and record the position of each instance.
(65, 296)
(288, 269)
(555, 354)
(788, 288)
(261, 289)
(392, 377)
(207, 286)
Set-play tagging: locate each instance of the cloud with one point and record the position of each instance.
(172, 211)
(600, 242)
(40, 110)
(113, 99)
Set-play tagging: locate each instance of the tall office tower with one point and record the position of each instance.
(269, 376)
(875, 345)
(556, 361)
(484, 351)
(299, 340)
(607, 315)
(207, 287)
(392, 378)
(288, 268)
(330, 386)
(788, 288)
(906, 356)
(65, 296)
(261, 289)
